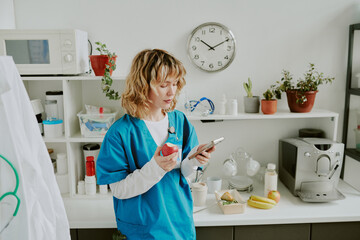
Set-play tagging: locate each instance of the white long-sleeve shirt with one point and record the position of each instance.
(141, 180)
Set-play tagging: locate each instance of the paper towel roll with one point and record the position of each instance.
(63, 182)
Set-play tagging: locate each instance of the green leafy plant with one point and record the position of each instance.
(272, 93)
(107, 81)
(268, 95)
(312, 80)
(118, 236)
(248, 88)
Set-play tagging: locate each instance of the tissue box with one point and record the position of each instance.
(95, 125)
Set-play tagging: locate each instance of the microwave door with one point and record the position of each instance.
(35, 55)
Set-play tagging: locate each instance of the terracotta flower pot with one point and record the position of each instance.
(269, 106)
(293, 95)
(98, 63)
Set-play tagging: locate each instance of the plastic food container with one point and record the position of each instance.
(233, 208)
(95, 125)
(53, 129)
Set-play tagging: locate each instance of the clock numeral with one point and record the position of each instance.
(220, 63)
(229, 48)
(220, 32)
(193, 47)
(196, 56)
(203, 32)
(211, 65)
(202, 63)
(226, 57)
(197, 39)
(212, 29)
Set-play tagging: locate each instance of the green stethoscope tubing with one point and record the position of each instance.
(13, 193)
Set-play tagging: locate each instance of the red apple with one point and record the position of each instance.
(274, 195)
(168, 149)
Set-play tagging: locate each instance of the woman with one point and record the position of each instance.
(152, 199)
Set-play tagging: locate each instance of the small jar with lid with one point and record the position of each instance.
(53, 129)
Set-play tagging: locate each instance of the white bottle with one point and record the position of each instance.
(222, 105)
(61, 163)
(271, 178)
(233, 108)
(90, 185)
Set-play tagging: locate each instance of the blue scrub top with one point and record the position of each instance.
(165, 211)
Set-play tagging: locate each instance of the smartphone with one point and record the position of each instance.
(207, 147)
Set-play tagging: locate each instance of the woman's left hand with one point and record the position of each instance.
(205, 156)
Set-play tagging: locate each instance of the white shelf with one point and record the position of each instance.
(77, 137)
(280, 114)
(85, 77)
(55, 140)
(97, 196)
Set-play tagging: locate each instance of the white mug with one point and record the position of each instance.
(214, 184)
(199, 193)
(252, 167)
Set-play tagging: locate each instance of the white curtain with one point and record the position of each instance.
(42, 213)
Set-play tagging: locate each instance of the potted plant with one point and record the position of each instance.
(118, 236)
(104, 65)
(301, 96)
(269, 103)
(251, 103)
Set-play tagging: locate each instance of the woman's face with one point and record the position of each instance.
(161, 95)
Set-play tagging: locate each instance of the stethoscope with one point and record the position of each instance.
(192, 104)
(171, 130)
(13, 193)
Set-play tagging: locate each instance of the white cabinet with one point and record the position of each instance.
(77, 91)
(81, 90)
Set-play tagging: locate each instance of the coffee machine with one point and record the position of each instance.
(310, 168)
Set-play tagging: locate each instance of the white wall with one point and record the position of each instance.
(271, 36)
(7, 14)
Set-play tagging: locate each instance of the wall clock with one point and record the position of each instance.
(211, 47)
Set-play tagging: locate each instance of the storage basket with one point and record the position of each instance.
(95, 125)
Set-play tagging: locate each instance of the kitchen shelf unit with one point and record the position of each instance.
(350, 91)
(80, 90)
(77, 91)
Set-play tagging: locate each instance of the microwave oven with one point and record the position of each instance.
(46, 52)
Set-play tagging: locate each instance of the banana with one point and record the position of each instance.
(262, 199)
(260, 202)
(257, 204)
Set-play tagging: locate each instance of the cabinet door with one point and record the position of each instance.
(73, 234)
(336, 231)
(278, 232)
(214, 233)
(95, 234)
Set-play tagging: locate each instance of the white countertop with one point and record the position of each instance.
(99, 213)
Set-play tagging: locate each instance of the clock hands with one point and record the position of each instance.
(220, 44)
(213, 48)
(210, 47)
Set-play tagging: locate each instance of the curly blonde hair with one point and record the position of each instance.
(150, 68)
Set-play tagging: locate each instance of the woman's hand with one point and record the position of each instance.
(167, 163)
(205, 156)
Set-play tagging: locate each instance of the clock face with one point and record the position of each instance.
(211, 47)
